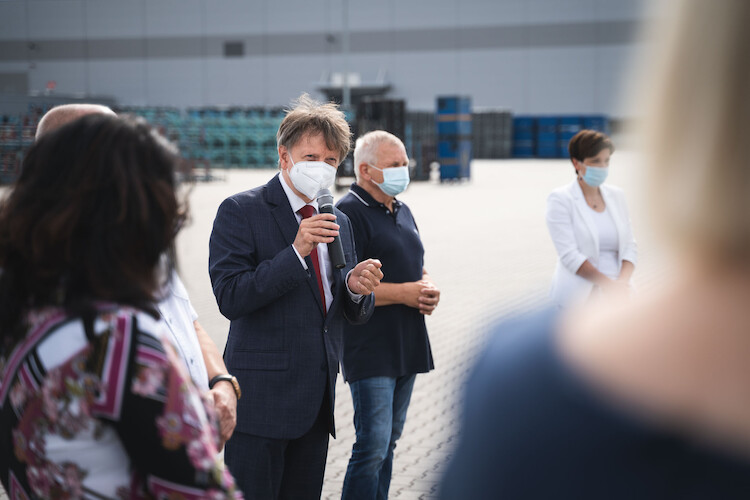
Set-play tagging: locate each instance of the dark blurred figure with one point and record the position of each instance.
(92, 404)
(646, 399)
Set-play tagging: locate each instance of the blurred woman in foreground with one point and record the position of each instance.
(92, 404)
(645, 399)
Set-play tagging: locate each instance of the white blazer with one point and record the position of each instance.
(576, 239)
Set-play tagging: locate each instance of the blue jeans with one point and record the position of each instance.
(380, 405)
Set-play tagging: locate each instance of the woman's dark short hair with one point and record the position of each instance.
(589, 143)
(89, 218)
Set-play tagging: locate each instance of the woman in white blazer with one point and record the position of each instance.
(590, 226)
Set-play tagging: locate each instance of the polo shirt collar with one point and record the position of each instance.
(366, 198)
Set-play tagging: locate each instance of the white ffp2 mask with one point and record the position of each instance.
(309, 177)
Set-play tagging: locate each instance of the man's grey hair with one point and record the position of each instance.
(66, 113)
(308, 116)
(366, 148)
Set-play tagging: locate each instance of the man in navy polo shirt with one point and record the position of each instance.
(382, 357)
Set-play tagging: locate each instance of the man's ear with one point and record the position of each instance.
(363, 174)
(284, 162)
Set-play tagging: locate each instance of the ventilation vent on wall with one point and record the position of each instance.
(234, 49)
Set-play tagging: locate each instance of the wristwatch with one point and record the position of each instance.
(229, 378)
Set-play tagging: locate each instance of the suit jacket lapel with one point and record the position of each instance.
(287, 222)
(281, 210)
(585, 211)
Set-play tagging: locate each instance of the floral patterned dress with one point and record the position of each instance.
(100, 408)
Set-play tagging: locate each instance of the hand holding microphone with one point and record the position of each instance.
(320, 228)
(335, 250)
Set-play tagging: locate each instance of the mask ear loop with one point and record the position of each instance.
(289, 154)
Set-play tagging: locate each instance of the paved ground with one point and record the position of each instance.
(488, 250)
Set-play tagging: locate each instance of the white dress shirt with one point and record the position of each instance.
(178, 314)
(609, 244)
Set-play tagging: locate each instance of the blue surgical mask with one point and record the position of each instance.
(395, 179)
(595, 176)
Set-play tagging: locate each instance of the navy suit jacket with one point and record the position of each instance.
(282, 348)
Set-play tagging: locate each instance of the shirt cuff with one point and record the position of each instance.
(301, 260)
(356, 297)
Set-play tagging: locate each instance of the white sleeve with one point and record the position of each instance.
(560, 226)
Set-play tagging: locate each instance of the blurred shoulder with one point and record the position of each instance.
(518, 346)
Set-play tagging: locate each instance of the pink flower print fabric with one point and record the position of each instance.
(110, 413)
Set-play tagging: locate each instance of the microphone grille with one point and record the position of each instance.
(324, 196)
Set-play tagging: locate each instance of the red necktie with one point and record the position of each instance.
(305, 212)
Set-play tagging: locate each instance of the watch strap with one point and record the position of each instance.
(228, 378)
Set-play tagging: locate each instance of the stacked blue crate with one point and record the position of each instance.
(453, 121)
(524, 128)
(547, 136)
(596, 122)
(569, 126)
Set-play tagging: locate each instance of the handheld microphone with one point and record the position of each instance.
(335, 250)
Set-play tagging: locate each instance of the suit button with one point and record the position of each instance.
(325, 329)
(323, 367)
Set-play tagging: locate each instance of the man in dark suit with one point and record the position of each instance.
(273, 279)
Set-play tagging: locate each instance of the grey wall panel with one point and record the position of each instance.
(55, 50)
(432, 39)
(402, 40)
(130, 48)
(291, 16)
(13, 20)
(493, 13)
(14, 67)
(495, 79)
(554, 11)
(420, 76)
(125, 80)
(119, 19)
(242, 82)
(175, 82)
(367, 15)
(288, 77)
(174, 48)
(617, 77)
(417, 14)
(14, 83)
(174, 17)
(615, 10)
(55, 19)
(562, 80)
(70, 77)
(234, 17)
